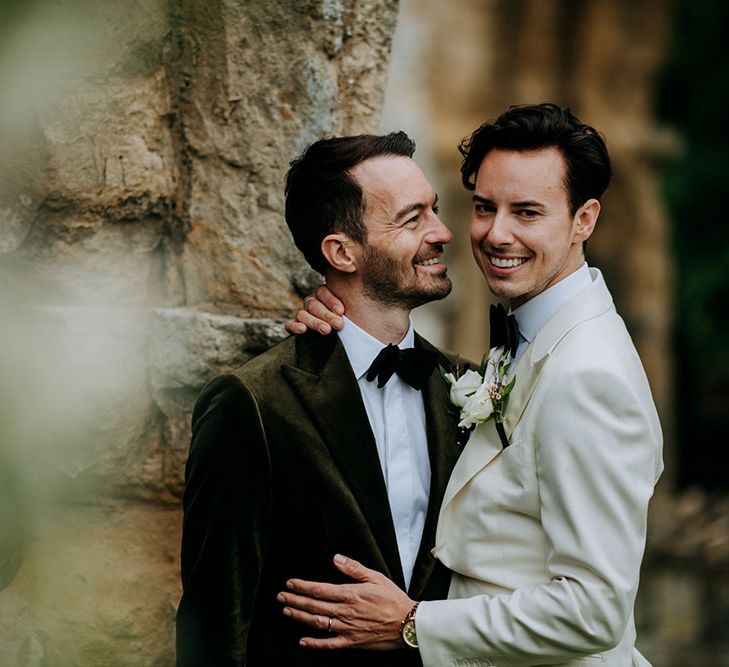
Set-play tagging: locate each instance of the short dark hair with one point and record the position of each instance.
(535, 126)
(322, 197)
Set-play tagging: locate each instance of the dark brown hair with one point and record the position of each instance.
(536, 126)
(322, 197)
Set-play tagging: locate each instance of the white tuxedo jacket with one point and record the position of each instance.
(545, 538)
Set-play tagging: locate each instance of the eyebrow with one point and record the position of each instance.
(530, 203)
(420, 206)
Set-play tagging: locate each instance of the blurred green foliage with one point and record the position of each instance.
(694, 98)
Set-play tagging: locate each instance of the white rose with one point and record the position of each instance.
(477, 408)
(468, 383)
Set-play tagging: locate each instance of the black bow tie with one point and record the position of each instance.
(504, 331)
(413, 366)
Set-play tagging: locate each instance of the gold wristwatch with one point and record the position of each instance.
(409, 636)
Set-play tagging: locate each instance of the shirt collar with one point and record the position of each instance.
(535, 313)
(362, 348)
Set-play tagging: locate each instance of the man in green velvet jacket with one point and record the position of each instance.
(300, 454)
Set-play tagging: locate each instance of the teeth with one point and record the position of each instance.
(428, 262)
(506, 263)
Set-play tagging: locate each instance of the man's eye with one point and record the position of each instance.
(482, 209)
(527, 213)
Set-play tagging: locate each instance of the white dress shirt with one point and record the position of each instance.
(397, 418)
(535, 313)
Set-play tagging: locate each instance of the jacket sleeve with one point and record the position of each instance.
(597, 460)
(226, 526)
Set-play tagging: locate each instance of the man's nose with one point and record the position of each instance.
(439, 233)
(500, 232)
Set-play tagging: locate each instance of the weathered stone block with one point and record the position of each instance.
(99, 586)
(141, 221)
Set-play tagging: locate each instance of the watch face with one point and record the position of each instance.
(408, 634)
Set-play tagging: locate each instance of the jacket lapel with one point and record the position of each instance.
(591, 302)
(526, 372)
(441, 432)
(484, 445)
(325, 385)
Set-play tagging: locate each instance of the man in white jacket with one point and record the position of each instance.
(543, 525)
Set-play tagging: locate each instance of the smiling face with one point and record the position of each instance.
(400, 263)
(523, 236)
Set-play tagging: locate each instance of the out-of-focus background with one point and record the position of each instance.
(142, 250)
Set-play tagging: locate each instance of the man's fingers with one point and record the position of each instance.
(294, 327)
(355, 569)
(320, 591)
(338, 641)
(309, 605)
(319, 621)
(324, 295)
(321, 311)
(312, 322)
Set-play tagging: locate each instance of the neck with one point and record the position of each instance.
(577, 264)
(386, 322)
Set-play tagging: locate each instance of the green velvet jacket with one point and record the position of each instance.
(283, 473)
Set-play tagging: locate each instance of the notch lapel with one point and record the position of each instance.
(326, 387)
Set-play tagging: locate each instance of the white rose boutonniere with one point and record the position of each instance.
(482, 395)
(464, 386)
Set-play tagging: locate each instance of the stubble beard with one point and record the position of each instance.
(382, 281)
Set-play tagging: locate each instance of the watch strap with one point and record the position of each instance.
(407, 621)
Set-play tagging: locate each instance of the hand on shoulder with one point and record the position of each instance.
(321, 312)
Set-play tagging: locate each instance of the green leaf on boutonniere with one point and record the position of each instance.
(482, 396)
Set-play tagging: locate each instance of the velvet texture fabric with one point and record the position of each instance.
(283, 473)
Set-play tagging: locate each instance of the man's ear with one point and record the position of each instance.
(585, 219)
(339, 251)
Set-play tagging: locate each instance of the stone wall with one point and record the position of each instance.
(143, 250)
